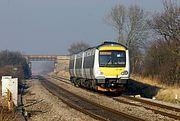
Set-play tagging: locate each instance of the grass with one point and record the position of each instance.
(171, 94)
(165, 93)
(5, 114)
(63, 74)
(148, 80)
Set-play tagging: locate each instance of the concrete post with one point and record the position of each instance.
(30, 65)
(55, 66)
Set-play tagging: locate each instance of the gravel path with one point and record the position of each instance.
(44, 106)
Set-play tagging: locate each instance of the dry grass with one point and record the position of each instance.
(148, 80)
(170, 94)
(5, 114)
(63, 74)
(166, 93)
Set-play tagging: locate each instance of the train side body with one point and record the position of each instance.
(105, 67)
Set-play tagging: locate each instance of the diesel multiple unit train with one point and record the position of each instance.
(104, 67)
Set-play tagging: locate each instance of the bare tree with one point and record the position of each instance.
(78, 47)
(167, 24)
(116, 18)
(16, 60)
(163, 56)
(131, 25)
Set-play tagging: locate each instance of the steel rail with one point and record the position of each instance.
(153, 103)
(60, 78)
(86, 106)
(170, 115)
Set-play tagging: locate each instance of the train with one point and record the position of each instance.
(105, 67)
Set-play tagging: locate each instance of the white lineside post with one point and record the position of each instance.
(10, 86)
(13, 87)
(5, 81)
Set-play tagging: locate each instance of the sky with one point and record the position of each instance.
(51, 26)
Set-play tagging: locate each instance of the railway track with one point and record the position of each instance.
(62, 79)
(84, 105)
(158, 108)
(154, 104)
(164, 110)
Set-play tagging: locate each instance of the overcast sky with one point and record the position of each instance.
(51, 26)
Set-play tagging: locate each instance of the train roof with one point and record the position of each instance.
(111, 43)
(104, 44)
(107, 43)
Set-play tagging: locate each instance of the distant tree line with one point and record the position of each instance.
(78, 47)
(153, 41)
(14, 64)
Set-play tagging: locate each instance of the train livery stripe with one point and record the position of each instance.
(111, 48)
(113, 72)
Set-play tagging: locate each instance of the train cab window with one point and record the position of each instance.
(111, 58)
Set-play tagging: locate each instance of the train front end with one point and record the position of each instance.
(112, 68)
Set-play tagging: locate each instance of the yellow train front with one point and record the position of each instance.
(104, 67)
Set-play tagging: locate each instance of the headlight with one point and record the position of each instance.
(124, 73)
(100, 73)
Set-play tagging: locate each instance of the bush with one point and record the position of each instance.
(162, 63)
(163, 56)
(14, 64)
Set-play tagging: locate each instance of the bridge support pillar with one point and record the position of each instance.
(55, 66)
(30, 65)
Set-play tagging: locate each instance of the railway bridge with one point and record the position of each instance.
(55, 58)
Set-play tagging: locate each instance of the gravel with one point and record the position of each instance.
(109, 102)
(44, 106)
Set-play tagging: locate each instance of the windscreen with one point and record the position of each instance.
(112, 58)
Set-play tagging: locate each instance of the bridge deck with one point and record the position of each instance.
(46, 57)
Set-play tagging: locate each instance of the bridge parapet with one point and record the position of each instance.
(63, 57)
(46, 57)
(42, 58)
